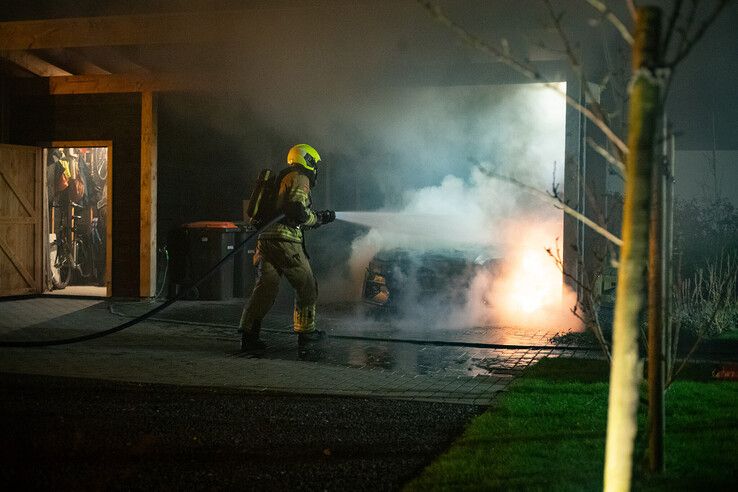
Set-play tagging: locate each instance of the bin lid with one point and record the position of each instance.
(209, 224)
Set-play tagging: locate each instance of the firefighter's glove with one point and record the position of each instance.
(325, 216)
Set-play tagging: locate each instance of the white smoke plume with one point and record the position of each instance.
(521, 136)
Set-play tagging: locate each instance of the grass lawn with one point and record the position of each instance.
(548, 433)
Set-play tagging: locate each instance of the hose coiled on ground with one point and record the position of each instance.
(144, 316)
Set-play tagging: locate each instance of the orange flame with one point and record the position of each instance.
(529, 291)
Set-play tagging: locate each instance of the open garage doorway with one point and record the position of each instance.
(78, 212)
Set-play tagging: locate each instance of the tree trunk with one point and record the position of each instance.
(625, 373)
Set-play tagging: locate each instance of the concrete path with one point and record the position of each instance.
(184, 350)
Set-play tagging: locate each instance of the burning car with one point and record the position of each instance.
(401, 277)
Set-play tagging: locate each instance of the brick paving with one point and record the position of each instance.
(195, 344)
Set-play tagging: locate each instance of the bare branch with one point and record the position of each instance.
(687, 28)
(631, 8)
(617, 164)
(614, 20)
(588, 307)
(690, 43)
(522, 68)
(574, 61)
(558, 203)
(725, 288)
(598, 332)
(671, 24)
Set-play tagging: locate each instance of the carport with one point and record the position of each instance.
(98, 80)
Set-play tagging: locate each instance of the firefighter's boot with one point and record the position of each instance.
(250, 338)
(313, 336)
(304, 324)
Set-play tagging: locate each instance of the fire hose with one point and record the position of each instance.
(147, 314)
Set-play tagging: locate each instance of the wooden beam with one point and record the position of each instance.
(147, 265)
(99, 84)
(17, 220)
(16, 262)
(34, 64)
(18, 195)
(186, 27)
(112, 59)
(73, 61)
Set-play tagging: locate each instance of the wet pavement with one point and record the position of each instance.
(195, 343)
(355, 339)
(180, 407)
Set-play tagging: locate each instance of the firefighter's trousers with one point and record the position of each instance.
(273, 259)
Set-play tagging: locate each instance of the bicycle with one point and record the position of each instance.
(74, 248)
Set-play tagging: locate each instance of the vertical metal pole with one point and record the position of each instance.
(669, 247)
(656, 306)
(582, 197)
(715, 182)
(572, 178)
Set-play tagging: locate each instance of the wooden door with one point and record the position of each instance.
(21, 213)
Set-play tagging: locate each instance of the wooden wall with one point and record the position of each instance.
(209, 158)
(34, 120)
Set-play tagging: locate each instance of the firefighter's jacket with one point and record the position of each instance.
(293, 199)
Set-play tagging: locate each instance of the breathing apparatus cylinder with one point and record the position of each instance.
(262, 201)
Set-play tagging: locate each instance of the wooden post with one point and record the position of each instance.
(625, 372)
(147, 278)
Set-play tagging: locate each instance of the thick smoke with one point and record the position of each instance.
(514, 132)
(393, 141)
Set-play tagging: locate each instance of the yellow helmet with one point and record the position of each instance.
(303, 155)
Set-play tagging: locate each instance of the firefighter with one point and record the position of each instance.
(280, 250)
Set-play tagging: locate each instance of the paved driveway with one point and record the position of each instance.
(194, 343)
(171, 404)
